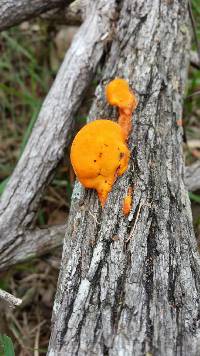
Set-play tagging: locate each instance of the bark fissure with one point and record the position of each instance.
(145, 297)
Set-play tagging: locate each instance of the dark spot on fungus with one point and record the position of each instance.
(100, 154)
(95, 160)
(121, 155)
(117, 170)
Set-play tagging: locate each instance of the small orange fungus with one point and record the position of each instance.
(119, 94)
(179, 122)
(99, 155)
(127, 202)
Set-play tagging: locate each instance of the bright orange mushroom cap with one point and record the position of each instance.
(99, 154)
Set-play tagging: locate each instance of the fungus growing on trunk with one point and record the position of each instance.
(127, 202)
(119, 94)
(99, 155)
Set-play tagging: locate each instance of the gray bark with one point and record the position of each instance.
(51, 133)
(9, 299)
(13, 12)
(31, 244)
(192, 176)
(37, 242)
(194, 59)
(74, 14)
(130, 286)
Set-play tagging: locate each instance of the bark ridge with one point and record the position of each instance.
(131, 286)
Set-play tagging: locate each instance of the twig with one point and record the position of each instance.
(15, 322)
(10, 299)
(19, 339)
(193, 94)
(36, 327)
(36, 344)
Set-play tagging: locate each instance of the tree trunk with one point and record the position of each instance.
(130, 286)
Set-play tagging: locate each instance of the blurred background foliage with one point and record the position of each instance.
(30, 57)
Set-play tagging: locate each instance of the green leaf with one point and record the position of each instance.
(194, 197)
(6, 346)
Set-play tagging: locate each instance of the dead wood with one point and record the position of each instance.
(130, 286)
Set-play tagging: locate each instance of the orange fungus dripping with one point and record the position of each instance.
(99, 155)
(127, 202)
(119, 94)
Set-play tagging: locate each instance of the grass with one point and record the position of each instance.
(26, 76)
(25, 79)
(194, 197)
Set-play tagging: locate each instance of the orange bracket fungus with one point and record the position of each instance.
(119, 94)
(99, 153)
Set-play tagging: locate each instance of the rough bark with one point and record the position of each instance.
(31, 244)
(9, 299)
(194, 59)
(74, 14)
(38, 242)
(52, 131)
(13, 12)
(130, 286)
(192, 177)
